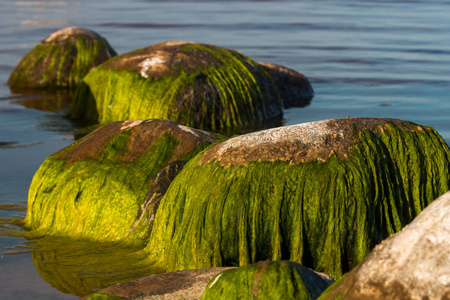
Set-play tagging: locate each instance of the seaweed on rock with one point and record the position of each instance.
(94, 189)
(322, 194)
(61, 60)
(267, 280)
(197, 85)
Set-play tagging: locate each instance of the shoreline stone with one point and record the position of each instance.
(197, 85)
(61, 60)
(95, 188)
(294, 88)
(187, 284)
(412, 264)
(268, 280)
(322, 198)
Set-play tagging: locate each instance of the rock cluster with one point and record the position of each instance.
(197, 85)
(276, 202)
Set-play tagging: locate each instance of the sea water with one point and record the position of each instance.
(364, 58)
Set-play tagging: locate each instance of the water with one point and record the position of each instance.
(364, 59)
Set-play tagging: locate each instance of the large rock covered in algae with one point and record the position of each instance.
(267, 280)
(412, 264)
(322, 194)
(95, 188)
(197, 85)
(61, 60)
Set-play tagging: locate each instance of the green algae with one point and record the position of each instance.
(323, 215)
(95, 198)
(52, 65)
(233, 91)
(264, 280)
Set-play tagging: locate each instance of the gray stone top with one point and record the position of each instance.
(71, 32)
(298, 143)
(167, 58)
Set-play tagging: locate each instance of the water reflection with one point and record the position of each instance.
(54, 101)
(81, 267)
(71, 266)
(58, 104)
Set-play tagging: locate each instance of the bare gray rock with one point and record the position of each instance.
(412, 264)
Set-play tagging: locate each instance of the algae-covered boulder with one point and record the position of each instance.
(268, 280)
(197, 85)
(95, 188)
(412, 264)
(322, 194)
(294, 88)
(61, 60)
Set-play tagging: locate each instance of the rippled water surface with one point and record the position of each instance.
(364, 59)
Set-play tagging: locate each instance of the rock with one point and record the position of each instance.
(294, 88)
(412, 264)
(61, 60)
(267, 280)
(95, 188)
(322, 194)
(188, 284)
(158, 186)
(197, 85)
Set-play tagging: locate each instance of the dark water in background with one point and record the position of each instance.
(364, 59)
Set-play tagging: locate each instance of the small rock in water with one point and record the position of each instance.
(188, 284)
(294, 88)
(61, 60)
(268, 280)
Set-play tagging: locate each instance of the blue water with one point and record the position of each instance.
(364, 59)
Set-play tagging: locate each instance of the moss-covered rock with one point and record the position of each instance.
(267, 280)
(94, 189)
(61, 60)
(412, 264)
(100, 296)
(322, 194)
(197, 85)
(294, 88)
